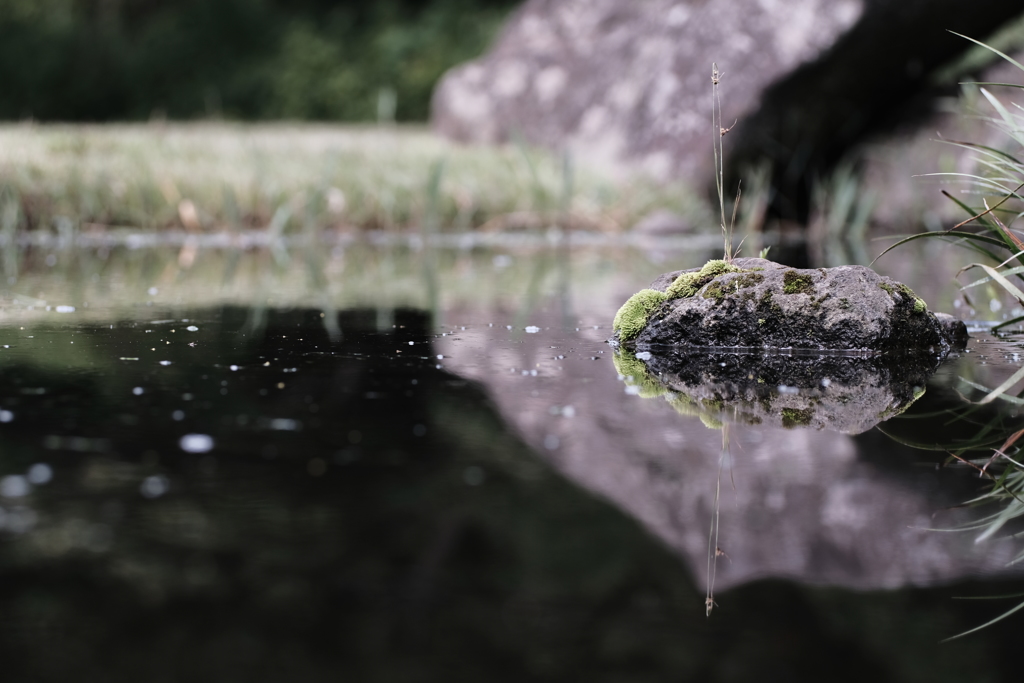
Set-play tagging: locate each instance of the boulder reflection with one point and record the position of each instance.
(841, 392)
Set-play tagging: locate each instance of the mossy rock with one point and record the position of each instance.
(756, 303)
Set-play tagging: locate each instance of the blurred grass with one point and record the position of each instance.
(290, 178)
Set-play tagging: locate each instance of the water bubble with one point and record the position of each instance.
(154, 486)
(196, 443)
(39, 473)
(152, 291)
(412, 343)
(995, 305)
(532, 329)
(284, 424)
(65, 309)
(192, 328)
(165, 362)
(440, 357)
(138, 391)
(14, 486)
(568, 411)
(178, 415)
(644, 355)
(6, 415)
(633, 390)
(234, 368)
(826, 382)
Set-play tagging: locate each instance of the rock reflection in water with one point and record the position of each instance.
(813, 505)
(839, 391)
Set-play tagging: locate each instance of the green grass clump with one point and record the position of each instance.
(688, 284)
(632, 316)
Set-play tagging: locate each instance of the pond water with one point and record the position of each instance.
(408, 466)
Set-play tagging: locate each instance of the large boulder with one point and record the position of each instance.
(629, 83)
(751, 303)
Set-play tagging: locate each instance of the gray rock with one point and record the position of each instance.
(628, 83)
(759, 304)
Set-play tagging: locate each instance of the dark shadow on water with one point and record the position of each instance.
(364, 514)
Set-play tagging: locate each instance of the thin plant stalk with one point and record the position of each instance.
(713, 548)
(719, 134)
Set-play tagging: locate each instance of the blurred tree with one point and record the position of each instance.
(253, 59)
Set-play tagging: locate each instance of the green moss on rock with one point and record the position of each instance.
(688, 284)
(919, 305)
(794, 417)
(794, 283)
(714, 291)
(633, 315)
(748, 280)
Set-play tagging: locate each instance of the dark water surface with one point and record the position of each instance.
(196, 486)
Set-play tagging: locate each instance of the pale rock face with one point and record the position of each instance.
(627, 84)
(630, 82)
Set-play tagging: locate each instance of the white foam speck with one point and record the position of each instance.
(196, 443)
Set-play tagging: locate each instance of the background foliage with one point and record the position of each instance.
(95, 60)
